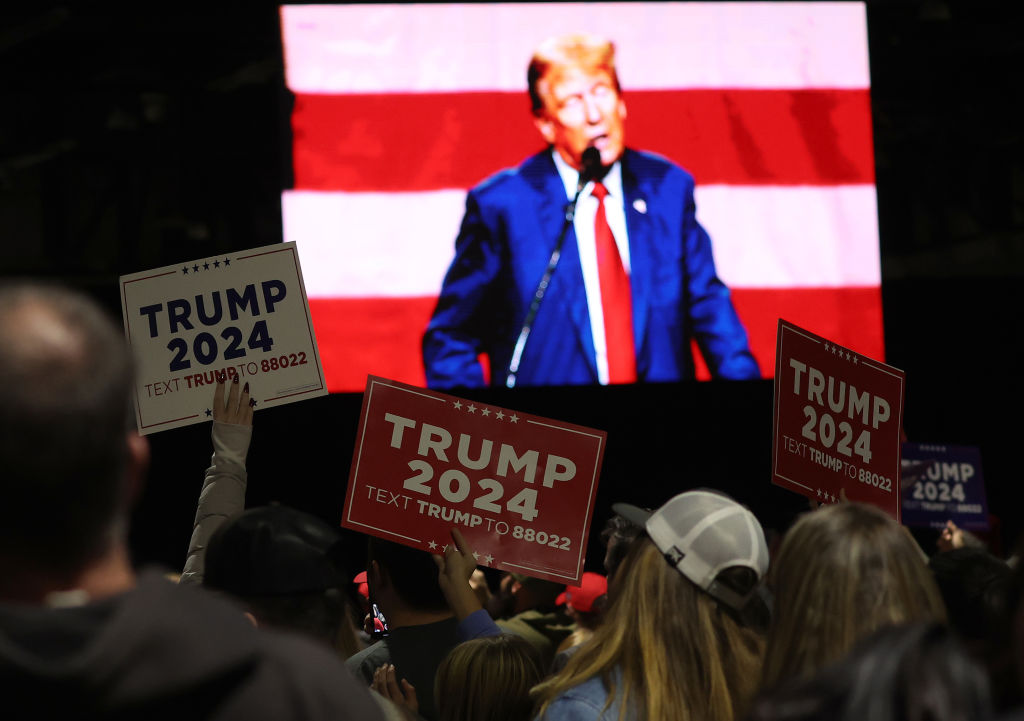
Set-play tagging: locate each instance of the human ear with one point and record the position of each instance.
(376, 577)
(545, 127)
(136, 467)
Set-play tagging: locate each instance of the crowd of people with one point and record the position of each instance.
(692, 615)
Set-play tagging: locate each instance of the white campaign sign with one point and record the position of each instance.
(243, 314)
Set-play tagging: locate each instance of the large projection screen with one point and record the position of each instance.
(400, 109)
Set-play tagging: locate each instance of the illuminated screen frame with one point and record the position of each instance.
(400, 109)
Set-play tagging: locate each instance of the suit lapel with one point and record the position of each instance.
(566, 292)
(640, 229)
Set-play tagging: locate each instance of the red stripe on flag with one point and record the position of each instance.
(381, 336)
(357, 337)
(410, 142)
(852, 317)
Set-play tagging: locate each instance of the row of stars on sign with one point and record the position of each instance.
(836, 350)
(500, 415)
(488, 559)
(824, 496)
(206, 266)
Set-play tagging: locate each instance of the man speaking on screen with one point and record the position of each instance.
(585, 264)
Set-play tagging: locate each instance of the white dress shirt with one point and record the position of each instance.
(583, 223)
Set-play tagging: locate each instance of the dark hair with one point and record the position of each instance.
(543, 594)
(65, 390)
(413, 573)
(617, 536)
(909, 672)
(1008, 681)
(490, 678)
(284, 564)
(274, 550)
(326, 616)
(743, 581)
(975, 586)
(591, 619)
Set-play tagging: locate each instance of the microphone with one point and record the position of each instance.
(592, 169)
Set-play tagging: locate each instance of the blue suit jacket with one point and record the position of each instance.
(512, 222)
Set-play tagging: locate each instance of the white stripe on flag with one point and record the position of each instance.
(792, 236)
(400, 244)
(369, 48)
(373, 244)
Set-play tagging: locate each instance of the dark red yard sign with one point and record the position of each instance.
(838, 416)
(521, 488)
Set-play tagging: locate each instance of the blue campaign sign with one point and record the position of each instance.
(942, 483)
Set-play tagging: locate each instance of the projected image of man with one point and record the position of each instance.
(633, 280)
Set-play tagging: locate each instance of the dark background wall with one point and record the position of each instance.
(137, 138)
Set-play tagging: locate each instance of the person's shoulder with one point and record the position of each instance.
(187, 638)
(562, 657)
(299, 674)
(536, 167)
(584, 701)
(526, 624)
(197, 611)
(647, 165)
(366, 661)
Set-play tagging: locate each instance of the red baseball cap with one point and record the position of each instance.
(582, 597)
(364, 587)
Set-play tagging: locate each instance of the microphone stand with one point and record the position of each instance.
(542, 286)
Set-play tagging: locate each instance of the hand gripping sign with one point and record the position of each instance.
(520, 488)
(242, 314)
(837, 422)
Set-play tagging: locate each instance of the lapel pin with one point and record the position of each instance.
(640, 205)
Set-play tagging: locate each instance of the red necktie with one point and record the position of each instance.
(616, 303)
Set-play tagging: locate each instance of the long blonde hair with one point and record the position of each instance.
(841, 572)
(665, 648)
(488, 678)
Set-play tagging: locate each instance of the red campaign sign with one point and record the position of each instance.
(837, 424)
(521, 488)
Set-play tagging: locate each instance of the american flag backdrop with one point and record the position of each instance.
(399, 109)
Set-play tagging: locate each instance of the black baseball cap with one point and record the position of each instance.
(274, 550)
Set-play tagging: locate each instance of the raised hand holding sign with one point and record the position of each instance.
(243, 316)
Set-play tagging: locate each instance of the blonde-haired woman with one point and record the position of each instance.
(672, 645)
(841, 572)
(488, 678)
